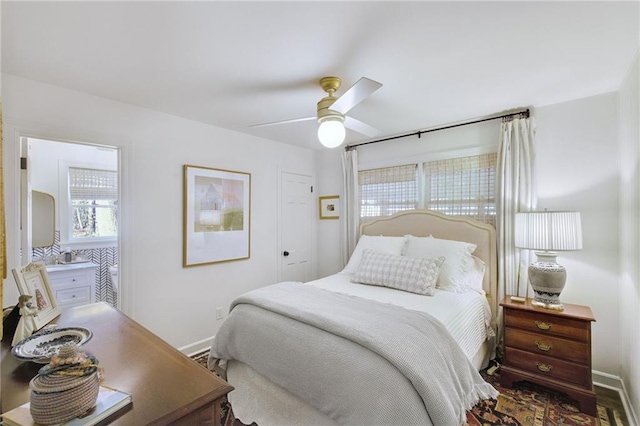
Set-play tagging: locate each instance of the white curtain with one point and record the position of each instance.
(516, 193)
(351, 204)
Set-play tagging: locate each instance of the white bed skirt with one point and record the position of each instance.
(257, 399)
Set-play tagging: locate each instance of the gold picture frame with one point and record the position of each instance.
(216, 216)
(329, 207)
(33, 280)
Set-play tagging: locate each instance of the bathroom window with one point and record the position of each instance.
(92, 209)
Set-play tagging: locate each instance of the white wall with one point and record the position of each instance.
(630, 235)
(174, 302)
(329, 182)
(577, 168)
(459, 142)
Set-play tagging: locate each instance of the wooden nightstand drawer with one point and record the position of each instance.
(547, 324)
(549, 367)
(540, 343)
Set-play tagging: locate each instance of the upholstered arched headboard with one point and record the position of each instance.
(422, 223)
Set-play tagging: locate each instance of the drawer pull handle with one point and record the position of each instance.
(543, 346)
(545, 368)
(543, 325)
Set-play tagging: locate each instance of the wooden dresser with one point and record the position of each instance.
(550, 348)
(167, 387)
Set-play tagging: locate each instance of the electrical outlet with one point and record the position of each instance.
(219, 313)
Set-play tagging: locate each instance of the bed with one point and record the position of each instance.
(348, 349)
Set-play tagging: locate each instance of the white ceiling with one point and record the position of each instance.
(234, 64)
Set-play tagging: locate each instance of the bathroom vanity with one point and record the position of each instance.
(73, 283)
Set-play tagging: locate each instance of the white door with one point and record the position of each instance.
(296, 215)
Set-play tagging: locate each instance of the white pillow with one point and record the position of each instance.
(390, 245)
(458, 261)
(412, 274)
(475, 277)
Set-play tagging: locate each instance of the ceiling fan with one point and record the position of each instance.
(332, 110)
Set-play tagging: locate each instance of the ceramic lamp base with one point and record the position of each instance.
(547, 279)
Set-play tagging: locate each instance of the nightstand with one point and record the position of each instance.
(550, 348)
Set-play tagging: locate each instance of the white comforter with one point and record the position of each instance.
(467, 316)
(338, 352)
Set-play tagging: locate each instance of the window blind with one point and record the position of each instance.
(92, 184)
(387, 190)
(462, 186)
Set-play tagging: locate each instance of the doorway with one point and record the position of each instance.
(296, 231)
(83, 181)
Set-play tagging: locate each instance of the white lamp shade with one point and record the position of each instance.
(549, 231)
(331, 133)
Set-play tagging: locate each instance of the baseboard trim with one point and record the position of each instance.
(197, 347)
(612, 382)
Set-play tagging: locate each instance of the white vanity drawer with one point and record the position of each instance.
(73, 284)
(74, 296)
(68, 278)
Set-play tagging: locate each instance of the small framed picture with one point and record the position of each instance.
(329, 207)
(33, 280)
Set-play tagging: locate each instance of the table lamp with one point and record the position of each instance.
(547, 233)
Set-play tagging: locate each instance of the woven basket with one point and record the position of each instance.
(57, 398)
(49, 406)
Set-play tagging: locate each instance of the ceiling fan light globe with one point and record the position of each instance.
(331, 133)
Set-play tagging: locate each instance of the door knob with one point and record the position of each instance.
(285, 253)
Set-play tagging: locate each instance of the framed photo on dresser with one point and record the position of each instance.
(33, 280)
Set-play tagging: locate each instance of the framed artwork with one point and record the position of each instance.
(34, 281)
(217, 215)
(329, 207)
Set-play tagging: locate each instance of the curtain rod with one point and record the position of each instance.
(523, 114)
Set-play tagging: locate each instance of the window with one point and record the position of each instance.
(93, 204)
(388, 190)
(462, 186)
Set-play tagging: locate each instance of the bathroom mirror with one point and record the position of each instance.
(43, 219)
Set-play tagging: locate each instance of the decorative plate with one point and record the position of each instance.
(42, 346)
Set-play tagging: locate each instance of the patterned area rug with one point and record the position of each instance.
(524, 405)
(531, 405)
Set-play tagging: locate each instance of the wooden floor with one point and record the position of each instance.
(611, 399)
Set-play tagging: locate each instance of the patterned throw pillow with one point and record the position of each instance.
(416, 275)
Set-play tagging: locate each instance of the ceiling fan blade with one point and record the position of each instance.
(356, 94)
(273, 123)
(360, 127)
